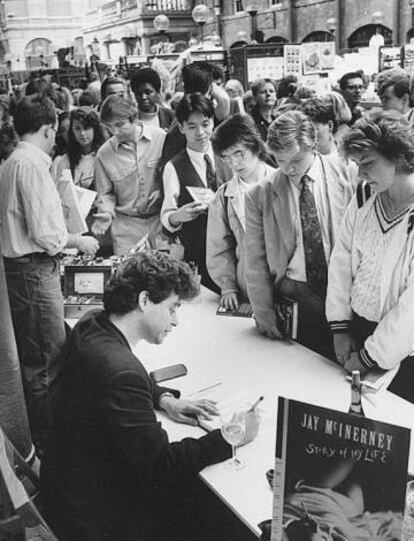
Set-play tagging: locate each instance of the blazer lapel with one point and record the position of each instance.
(236, 200)
(281, 210)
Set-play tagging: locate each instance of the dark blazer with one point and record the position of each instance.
(109, 469)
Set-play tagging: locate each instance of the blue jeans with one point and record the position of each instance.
(36, 304)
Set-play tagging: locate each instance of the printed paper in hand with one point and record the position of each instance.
(200, 195)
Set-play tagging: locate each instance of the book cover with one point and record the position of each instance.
(337, 476)
(244, 310)
(287, 313)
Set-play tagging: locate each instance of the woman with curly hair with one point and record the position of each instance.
(86, 135)
(370, 300)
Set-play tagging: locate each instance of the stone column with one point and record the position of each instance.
(13, 414)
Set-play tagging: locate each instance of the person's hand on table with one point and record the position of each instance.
(187, 411)
(229, 301)
(354, 363)
(101, 223)
(271, 332)
(344, 345)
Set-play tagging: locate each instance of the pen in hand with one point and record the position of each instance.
(255, 404)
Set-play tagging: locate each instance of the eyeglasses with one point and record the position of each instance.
(236, 157)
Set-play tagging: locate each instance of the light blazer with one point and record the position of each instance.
(226, 236)
(271, 236)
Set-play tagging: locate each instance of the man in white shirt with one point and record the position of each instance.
(32, 233)
(195, 166)
(291, 225)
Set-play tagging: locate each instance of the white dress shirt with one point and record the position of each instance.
(172, 185)
(31, 215)
(297, 267)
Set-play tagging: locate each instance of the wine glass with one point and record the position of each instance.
(233, 430)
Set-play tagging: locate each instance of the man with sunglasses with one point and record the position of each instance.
(32, 234)
(127, 176)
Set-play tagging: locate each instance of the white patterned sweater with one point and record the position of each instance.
(371, 272)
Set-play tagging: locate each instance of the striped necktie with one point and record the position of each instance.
(316, 267)
(210, 174)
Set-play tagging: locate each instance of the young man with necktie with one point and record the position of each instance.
(292, 220)
(195, 166)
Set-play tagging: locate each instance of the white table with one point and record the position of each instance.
(230, 350)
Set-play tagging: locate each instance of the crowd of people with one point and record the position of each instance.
(309, 199)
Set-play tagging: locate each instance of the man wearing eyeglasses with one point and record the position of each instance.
(352, 87)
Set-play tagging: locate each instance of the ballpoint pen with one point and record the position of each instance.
(255, 404)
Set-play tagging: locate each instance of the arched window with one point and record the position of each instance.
(410, 35)
(361, 36)
(276, 39)
(320, 35)
(38, 53)
(238, 44)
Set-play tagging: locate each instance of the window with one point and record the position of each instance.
(238, 6)
(274, 2)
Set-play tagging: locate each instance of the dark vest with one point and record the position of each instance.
(192, 234)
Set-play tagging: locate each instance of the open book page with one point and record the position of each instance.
(227, 401)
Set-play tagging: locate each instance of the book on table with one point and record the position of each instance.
(244, 310)
(338, 475)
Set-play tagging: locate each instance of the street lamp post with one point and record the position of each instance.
(200, 15)
(161, 25)
(332, 23)
(252, 7)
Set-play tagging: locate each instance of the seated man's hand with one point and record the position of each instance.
(187, 411)
(251, 423)
(101, 223)
(271, 332)
(354, 363)
(229, 301)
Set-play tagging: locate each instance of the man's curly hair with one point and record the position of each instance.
(154, 272)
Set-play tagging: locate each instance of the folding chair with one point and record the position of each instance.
(20, 520)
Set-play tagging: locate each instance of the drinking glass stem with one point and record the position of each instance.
(234, 456)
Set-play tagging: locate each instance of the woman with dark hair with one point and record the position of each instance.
(370, 299)
(238, 142)
(85, 137)
(264, 94)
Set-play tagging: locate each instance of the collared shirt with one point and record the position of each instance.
(31, 215)
(297, 267)
(150, 119)
(127, 175)
(172, 186)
